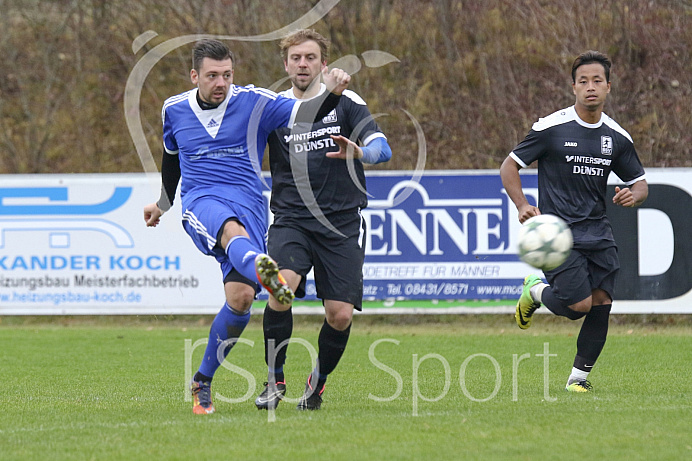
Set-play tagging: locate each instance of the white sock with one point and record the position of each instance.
(537, 291)
(577, 375)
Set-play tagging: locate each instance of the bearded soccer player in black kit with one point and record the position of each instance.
(316, 203)
(576, 149)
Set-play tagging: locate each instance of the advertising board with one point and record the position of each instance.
(77, 244)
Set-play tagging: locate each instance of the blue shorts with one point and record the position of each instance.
(203, 221)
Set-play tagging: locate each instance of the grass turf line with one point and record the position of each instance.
(112, 392)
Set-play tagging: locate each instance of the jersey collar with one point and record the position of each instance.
(582, 122)
(210, 119)
(290, 95)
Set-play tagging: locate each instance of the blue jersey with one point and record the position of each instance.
(220, 150)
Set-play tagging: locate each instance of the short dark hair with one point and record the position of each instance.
(304, 35)
(212, 49)
(590, 57)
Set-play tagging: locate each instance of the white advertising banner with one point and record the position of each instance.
(77, 244)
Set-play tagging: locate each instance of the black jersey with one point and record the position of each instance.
(293, 154)
(574, 161)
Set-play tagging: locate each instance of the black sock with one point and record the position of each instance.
(592, 337)
(277, 325)
(332, 344)
(558, 307)
(200, 377)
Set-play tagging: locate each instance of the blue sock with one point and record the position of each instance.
(242, 252)
(227, 324)
(278, 374)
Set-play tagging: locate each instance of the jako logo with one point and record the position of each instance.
(570, 144)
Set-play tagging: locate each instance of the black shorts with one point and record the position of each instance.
(300, 244)
(584, 271)
(235, 276)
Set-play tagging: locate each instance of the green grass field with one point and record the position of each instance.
(114, 388)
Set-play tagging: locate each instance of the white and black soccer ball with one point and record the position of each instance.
(544, 242)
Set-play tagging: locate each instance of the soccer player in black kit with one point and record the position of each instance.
(318, 188)
(576, 149)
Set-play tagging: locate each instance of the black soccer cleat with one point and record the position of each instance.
(271, 396)
(311, 398)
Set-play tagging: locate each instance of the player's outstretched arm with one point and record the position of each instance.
(509, 173)
(314, 110)
(336, 80)
(347, 149)
(631, 196)
(170, 175)
(377, 151)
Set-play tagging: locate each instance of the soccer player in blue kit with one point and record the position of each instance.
(317, 161)
(214, 138)
(576, 149)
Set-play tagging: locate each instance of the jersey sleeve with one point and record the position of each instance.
(278, 111)
(533, 147)
(376, 151)
(627, 165)
(170, 145)
(360, 119)
(170, 176)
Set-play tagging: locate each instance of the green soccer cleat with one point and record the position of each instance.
(526, 306)
(579, 386)
(268, 275)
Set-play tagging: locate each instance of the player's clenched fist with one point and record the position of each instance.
(337, 80)
(152, 213)
(624, 197)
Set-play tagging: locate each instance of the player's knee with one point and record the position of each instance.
(241, 299)
(340, 319)
(583, 306)
(277, 306)
(231, 228)
(600, 297)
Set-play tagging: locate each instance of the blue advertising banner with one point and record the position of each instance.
(442, 236)
(77, 244)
